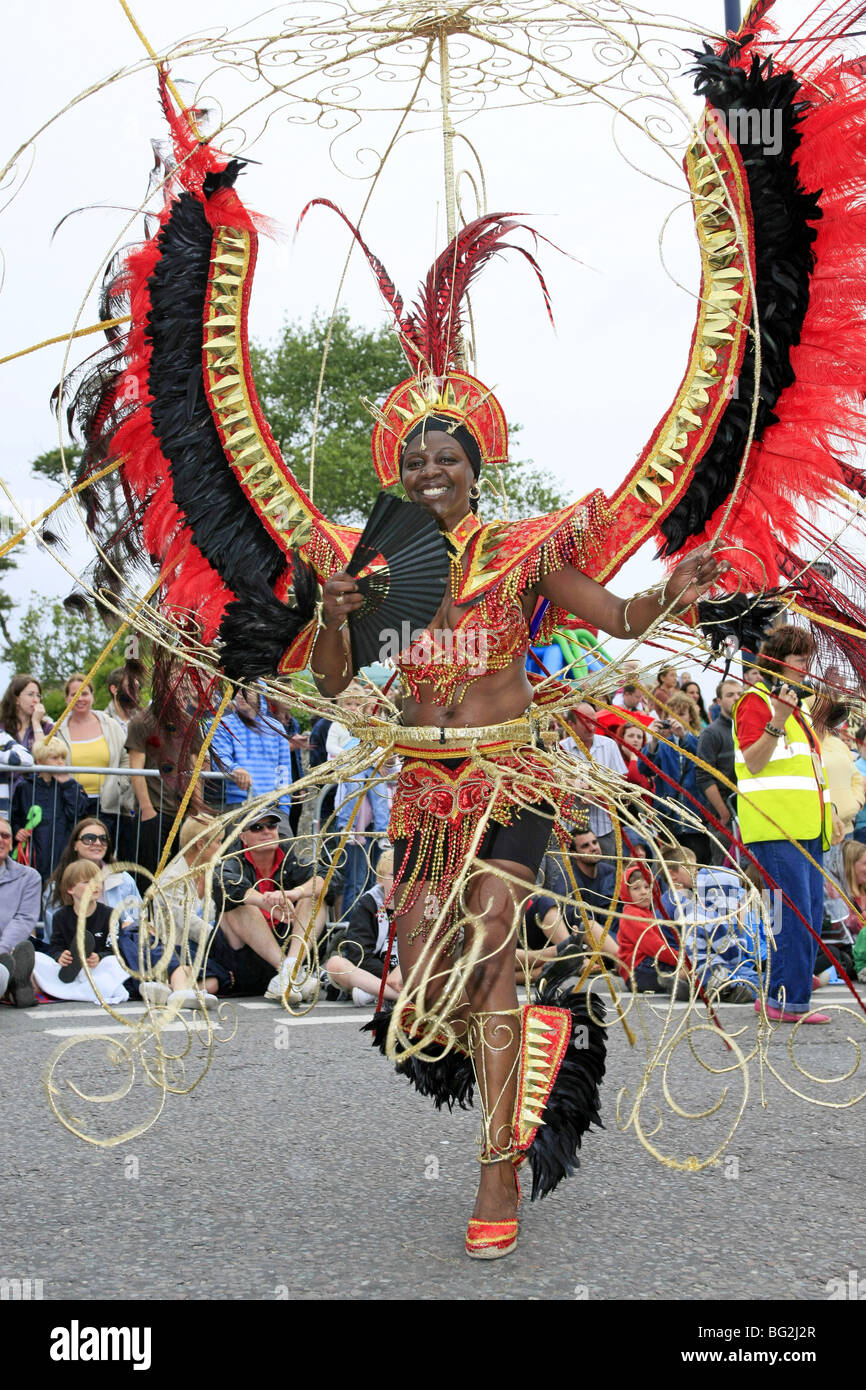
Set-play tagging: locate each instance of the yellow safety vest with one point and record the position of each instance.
(789, 796)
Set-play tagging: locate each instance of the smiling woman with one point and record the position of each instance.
(470, 826)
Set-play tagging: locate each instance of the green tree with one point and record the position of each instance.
(361, 363)
(52, 643)
(50, 464)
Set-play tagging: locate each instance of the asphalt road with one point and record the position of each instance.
(301, 1167)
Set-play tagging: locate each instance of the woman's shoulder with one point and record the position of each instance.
(119, 881)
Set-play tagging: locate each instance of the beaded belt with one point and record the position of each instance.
(433, 739)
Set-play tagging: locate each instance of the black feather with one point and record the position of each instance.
(224, 526)
(448, 1080)
(573, 1104)
(738, 622)
(256, 627)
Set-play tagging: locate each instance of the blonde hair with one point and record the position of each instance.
(76, 676)
(678, 700)
(198, 825)
(385, 864)
(80, 871)
(852, 850)
(50, 747)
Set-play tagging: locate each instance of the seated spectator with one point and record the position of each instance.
(61, 973)
(704, 904)
(587, 744)
(59, 801)
(845, 865)
(181, 885)
(548, 926)
(95, 740)
(12, 754)
(594, 877)
(648, 951)
(173, 956)
(677, 792)
(361, 806)
(362, 956)
(90, 840)
(20, 894)
(261, 888)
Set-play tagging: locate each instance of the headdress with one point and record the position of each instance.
(431, 337)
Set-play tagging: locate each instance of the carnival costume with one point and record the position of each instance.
(776, 374)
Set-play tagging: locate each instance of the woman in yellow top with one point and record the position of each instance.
(94, 740)
(847, 791)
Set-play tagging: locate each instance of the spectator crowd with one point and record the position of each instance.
(687, 815)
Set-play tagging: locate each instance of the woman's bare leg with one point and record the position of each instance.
(494, 907)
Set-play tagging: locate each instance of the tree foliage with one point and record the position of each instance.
(50, 464)
(361, 363)
(52, 643)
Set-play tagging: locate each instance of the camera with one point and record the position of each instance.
(800, 691)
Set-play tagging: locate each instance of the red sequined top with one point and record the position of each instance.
(494, 566)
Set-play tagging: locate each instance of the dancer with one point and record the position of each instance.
(481, 711)
(776, 371)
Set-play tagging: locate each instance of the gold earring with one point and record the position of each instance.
(475, 492)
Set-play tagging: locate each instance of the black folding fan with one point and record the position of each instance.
(407, 583)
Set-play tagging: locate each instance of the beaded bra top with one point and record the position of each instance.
(493, 565)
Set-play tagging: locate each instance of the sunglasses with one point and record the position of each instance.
(5, 835)
(270, 824)
(93, 839)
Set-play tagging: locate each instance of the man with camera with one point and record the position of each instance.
(784, 813)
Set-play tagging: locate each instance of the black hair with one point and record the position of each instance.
(459, 433)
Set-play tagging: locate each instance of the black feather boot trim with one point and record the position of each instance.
(448, 1079)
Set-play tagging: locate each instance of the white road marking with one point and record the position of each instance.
(96, 1031)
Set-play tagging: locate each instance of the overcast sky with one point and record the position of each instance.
(587, 397)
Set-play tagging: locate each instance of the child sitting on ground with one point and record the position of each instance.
(704, 903)
(61, 974)
(361, 958)
(647, 951)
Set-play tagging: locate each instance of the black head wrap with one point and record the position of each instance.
(464, 437)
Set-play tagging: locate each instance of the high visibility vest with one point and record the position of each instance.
(789, 796)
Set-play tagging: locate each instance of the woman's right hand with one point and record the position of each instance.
(65, 958)
(340, 597)
(784, 705)
(22, 836)
(38, 716)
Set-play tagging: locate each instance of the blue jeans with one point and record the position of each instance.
(793, 960)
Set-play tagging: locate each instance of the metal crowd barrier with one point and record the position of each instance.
(132, 839)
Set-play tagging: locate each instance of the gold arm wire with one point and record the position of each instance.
(65, 337)
(152, 54)
(68, 494)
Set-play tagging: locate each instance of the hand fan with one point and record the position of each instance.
(407, 557)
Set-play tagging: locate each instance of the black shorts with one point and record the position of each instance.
(522, 842)
(244, 971)
(353, 953)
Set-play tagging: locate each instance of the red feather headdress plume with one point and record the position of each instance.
(431, 337)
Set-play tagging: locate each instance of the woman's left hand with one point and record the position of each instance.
(692, 577)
